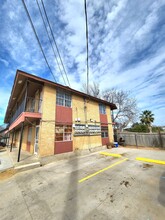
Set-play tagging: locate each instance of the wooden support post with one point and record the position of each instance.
(20, 142)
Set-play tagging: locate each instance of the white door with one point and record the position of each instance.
(36, 140)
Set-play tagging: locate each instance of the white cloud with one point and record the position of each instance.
(126, 46)
(4, 61)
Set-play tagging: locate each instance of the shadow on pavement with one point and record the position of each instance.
(161, 197)
(71, 204)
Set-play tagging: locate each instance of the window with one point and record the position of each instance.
(102, 109)
(63, 99)
(104, 132)
(63, 133)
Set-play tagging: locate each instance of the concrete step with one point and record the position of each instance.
(25, 167)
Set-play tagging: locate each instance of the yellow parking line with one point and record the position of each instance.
(151, 161)
(110, 154)
(102, 170)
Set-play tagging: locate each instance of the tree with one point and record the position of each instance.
(147, 117)
(93, 89)
(126, 112)
(138, 127)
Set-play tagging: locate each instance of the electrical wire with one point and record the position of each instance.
(54, 40)
(50, 40)
(27, 12)
(87, 58)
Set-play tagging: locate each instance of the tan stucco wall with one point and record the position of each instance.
(92, 112)
(47, 128)
(110, 128)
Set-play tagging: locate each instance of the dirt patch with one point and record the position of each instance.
(146, 165)
(126, 183)
(2, 149)
(111, 198)
(124, 154)
(7, 174)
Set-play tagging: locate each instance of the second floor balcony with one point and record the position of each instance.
(29, 104)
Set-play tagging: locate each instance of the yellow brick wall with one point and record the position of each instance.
(16, 138)
(91, 112)
(24, 138)
(47, 128)
(110, 128)
(32, 140)
(86, 142)
(92, 109)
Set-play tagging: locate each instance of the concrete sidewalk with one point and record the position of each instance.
(29, 161)
(6, 161)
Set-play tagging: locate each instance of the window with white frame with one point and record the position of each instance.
(63, 133)
(102, 108)
(104, 131)
(63, 98)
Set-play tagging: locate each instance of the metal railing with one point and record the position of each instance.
(32, 105)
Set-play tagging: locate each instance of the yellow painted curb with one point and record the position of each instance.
(109, 154)
(100, 171)
(150, 160)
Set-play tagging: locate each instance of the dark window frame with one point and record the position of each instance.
(63, 99)
(104, 131)
(63, 133)
(102, 109)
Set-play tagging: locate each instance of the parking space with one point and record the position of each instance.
(117, 188)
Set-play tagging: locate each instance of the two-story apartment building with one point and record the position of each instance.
(47, 118)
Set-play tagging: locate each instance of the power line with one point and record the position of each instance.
(37, 38)
(86, 22)
(54, 40)
(50, 41)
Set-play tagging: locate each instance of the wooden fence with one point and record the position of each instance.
(143, 139)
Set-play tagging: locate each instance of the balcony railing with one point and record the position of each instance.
(32, 105)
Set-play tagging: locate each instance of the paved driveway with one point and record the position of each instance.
(89, 187)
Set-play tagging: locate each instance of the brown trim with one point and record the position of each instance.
(105, 140)
(41, 80)
(63, 115)
(63, 147)
(103, 120)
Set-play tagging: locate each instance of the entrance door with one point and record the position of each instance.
(36, 140)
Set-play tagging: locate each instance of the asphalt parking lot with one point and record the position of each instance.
(89, 187)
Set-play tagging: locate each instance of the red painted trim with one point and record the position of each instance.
(63, 147)
(103, 120)
(63, 115)
(105, 140)
(21, 118)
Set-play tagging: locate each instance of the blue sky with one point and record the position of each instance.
(126, 46)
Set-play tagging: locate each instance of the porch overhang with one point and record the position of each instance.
(22, 117)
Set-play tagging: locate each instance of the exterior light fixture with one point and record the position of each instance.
(20, 81)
